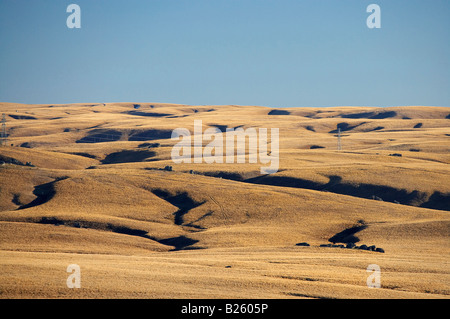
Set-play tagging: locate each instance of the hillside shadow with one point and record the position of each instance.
(279, 112)
(347, 236)
(370, 115)
(151, 134)
(358, 115)
(180, 242)
(182, 201)
(44, 193)
(384, 115)
(148, 114)
(344, 126)
(385, 193)
(22, 117)
(128, 156)
(438, 200)
(100, 135)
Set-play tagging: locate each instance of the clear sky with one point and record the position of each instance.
(276, 53)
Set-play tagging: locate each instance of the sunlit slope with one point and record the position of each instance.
(98, 181)
(183, 210)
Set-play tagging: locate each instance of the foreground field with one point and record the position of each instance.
(268, 272)
(89, 185)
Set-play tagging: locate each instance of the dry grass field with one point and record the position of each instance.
(88, 184)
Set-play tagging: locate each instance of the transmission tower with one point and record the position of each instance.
(339, 146)
(3, 138)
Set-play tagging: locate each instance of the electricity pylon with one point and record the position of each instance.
(3, 138)
(339, 146)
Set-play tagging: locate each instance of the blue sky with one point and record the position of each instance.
(248, 52)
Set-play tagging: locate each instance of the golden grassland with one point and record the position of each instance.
(95, 193)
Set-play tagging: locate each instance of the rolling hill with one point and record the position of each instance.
(95, 185)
